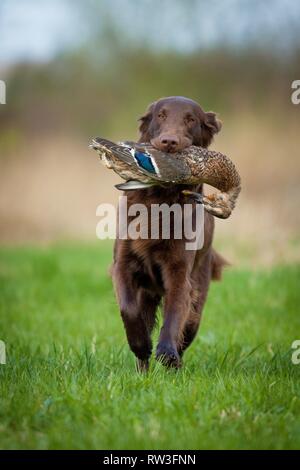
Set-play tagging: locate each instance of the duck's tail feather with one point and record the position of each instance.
(121, 151)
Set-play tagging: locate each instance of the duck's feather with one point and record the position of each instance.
(147, 160)
(120, 151)
(133, 184)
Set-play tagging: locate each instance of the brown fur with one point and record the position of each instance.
(147, 271)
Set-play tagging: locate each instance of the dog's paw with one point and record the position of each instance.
(142, 366)
(168, 355)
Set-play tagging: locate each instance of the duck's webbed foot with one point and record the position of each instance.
(216, 204)
(196, 197)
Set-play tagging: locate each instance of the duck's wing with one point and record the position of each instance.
(128, 152)
(163, 167)
(120, 151)
(157, 165)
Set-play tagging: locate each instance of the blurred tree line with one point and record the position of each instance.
(72, 93)
(102, 85)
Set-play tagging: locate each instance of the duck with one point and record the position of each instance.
(143, 166)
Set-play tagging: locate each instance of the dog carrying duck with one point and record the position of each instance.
(143, 166)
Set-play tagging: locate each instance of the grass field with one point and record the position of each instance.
(70, 379)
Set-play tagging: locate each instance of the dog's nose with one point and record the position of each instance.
(169, 143)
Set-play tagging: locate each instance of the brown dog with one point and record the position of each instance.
(145, 271)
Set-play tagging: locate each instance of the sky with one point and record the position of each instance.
(36, 30)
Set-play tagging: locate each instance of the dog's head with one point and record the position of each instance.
(174, 123)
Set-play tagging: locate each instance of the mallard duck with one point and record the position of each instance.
(142, 166)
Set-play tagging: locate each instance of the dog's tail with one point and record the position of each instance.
(218, 263)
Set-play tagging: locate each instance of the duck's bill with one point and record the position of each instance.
(197, 197)
(132, 184)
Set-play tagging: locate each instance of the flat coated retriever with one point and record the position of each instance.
(145, 271)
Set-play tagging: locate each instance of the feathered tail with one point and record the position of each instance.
(218, 263)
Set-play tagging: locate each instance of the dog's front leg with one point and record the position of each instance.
(137, 309)
(176, 309)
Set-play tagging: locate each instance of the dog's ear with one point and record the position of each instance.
(145, 121)
(210, 126)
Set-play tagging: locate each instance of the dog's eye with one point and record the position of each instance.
(191, 120)
(161, 115)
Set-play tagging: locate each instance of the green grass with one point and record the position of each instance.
(70, 380)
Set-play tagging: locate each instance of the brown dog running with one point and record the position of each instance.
(145, 271)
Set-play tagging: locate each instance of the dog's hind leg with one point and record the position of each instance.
(177, 305)
(190, 330)
(200, 285)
